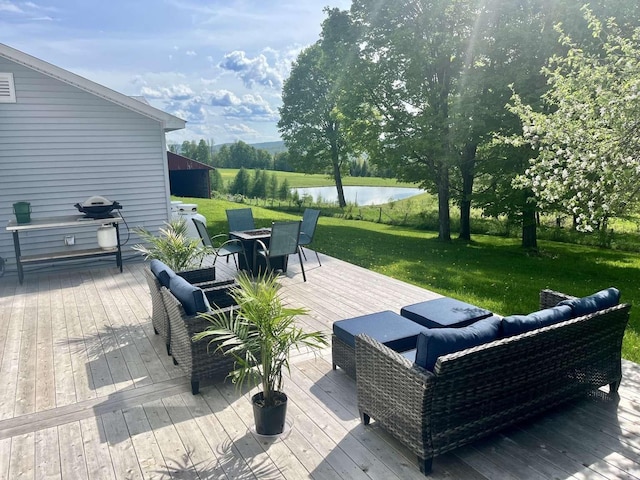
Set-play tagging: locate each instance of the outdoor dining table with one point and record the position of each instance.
(254, 263)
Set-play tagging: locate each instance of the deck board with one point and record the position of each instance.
(89, 392)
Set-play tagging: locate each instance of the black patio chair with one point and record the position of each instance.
(308, 229)
(240, 219)
(282, 243)
(219, 244)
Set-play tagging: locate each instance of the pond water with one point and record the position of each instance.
(359, 195)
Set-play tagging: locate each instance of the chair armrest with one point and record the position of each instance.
(395, 392)
(550, 298)
(262, 246)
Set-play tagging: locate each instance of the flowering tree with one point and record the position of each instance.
(587, 161)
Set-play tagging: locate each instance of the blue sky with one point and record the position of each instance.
(217, 64)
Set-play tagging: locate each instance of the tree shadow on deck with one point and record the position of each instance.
(227, 463)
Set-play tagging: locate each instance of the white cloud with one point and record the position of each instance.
(252, 70)
(223, 98)
(190, 53)
(174, 92)
(10, 7)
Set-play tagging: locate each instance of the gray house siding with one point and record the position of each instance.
(60, 145)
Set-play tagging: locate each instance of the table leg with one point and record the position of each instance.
(119, 254)
(16, 247)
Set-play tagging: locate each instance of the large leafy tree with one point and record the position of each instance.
(587, 152)
(310, 117)
(412, 53)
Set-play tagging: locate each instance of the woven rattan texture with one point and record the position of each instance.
(481, 390)
(198, 360)
(343, 356)
(159, 317)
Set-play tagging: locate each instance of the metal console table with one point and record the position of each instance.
(68, 221)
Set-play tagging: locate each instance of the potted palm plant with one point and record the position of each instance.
(260, 335)
(180, 253)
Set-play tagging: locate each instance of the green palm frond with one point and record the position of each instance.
(260, 334)
(172, 246)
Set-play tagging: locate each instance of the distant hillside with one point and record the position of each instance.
(271, 147)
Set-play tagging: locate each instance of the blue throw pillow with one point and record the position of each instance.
(162, 272)
(191, 298)
(517, 324)
(598, 301)
(436, 342)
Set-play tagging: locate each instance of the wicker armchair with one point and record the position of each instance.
(202, 277)
(198, 360)
(478, 391)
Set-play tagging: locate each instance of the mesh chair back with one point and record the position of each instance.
(202, 231)
(240, 219)
(284, 238)
(308, 227)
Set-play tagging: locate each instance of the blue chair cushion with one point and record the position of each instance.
(444, 312)
(598, 301)
(389, 328)
(436, 342)
(517, 324)
(192, 298)
(162, 272)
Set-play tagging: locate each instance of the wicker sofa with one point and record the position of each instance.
(475, 392)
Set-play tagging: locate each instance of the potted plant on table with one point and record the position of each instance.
(180, 253)
(260, 335)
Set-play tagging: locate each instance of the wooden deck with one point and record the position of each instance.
(87, 391)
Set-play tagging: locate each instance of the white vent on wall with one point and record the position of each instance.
(7, 88)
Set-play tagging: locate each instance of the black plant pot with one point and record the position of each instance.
(269, 419)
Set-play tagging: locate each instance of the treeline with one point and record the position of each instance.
(256, 184)
(243, 155)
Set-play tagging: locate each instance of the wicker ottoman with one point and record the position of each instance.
(444, 312)
(389, 328)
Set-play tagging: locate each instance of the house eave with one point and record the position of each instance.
(168, 121)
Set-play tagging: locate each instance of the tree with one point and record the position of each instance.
(188, 149)
(259, 184)
(310, 117)
(202, 153)
(217, 184)
(272, 186)
(284, 191)
(410, 55)
(241, 184)
(587, 150)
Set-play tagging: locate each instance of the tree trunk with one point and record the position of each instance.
(337, 175)
(444, 216)
(467, 168)
(338, 178)
(529, 229)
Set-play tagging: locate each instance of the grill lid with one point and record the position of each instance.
(97, 207)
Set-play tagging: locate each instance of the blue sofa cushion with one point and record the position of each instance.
(444, 312)
(192, 298)
(436, 342)
(598, 301)
(517, 324)
(162, 272)
(389, 328)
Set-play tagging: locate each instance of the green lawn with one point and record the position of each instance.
(492, 272)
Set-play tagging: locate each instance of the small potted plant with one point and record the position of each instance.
(180, 253)
(260, 335)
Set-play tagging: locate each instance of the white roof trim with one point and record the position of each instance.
(168, 121)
